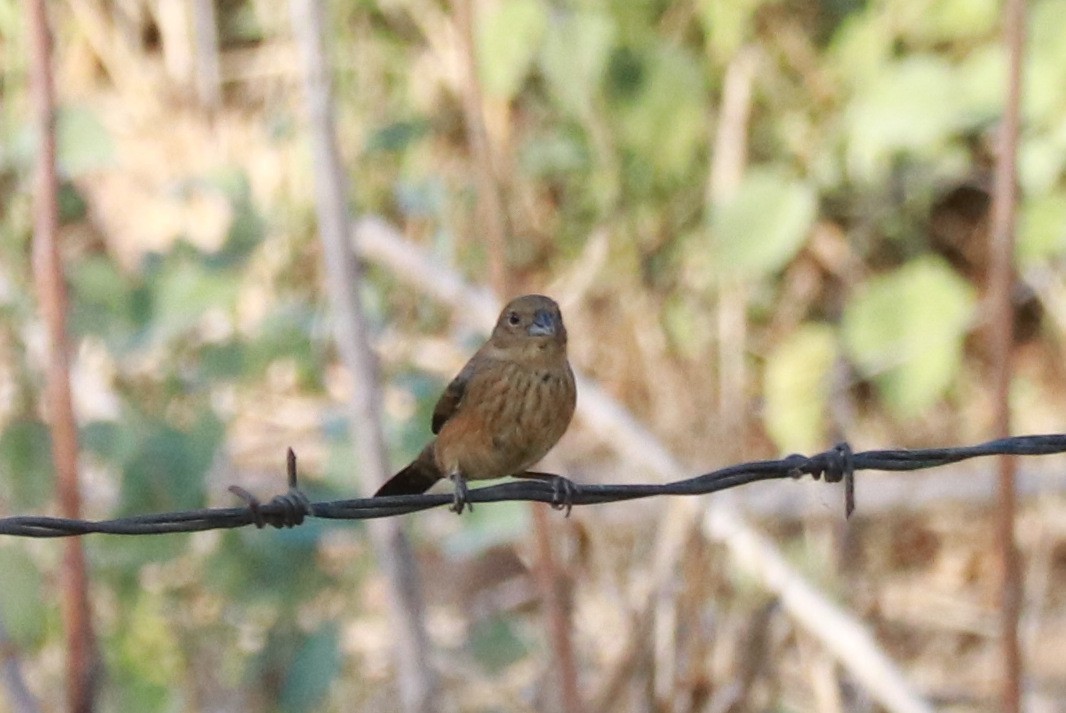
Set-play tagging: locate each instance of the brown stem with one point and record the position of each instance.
(205, 40)
(490, 201)
(1001, 278)
(550, 579)
(726, 170)
(52, 293)
(417, 681)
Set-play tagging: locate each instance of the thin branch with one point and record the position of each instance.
(1001, 278)
(18, 694)
(490, 201)
(415, 676)
(52, 293)
(206, 43)
(728, 162)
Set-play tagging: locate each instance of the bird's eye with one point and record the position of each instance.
(513, 319)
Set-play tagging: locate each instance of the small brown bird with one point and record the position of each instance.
(504, 411)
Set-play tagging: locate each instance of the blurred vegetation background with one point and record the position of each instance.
(766, 221)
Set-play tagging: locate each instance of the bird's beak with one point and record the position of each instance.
(544, 324)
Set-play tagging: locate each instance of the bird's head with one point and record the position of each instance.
(530, 321)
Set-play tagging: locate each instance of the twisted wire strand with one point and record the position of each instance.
(292, 508)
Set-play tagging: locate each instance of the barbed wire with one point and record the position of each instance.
(290, 509)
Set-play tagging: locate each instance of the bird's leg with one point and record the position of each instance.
(563, 489)
(461, 495)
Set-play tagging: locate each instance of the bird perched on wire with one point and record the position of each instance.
(504, 410)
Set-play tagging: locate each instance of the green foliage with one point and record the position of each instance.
(22, 604)
(601, 115)
(274, 567)
(496, 644)
(905, 330)
(912, 105)
(27, 473)
(105, 300)
(397, 136)
(763, 225)
(82, 142)
(797, 388)
(182, 292)
(312, 669)
(660, 105)
(508, 38)
(950, 20)
(144, 655)
(574, 59)
(727, 25)
(1042, 228)
(166, 470)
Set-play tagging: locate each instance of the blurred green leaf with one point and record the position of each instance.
(981, 78)
(311, 672)
(913, 104)
(247, 565)
(286, 333)
(102, 301)
(1041, 162)
(727, 24)
(22, 600)
(148, 646)
(245, 233)
(663, 120)
(797, 388)
(1044, 98)
(224, 361)
(246, 229)
(166, 472)
(27, 473)
(143, 657)
(685, 320)
(183, 291)
(763, 225)
(860, 48)
(82, 142)
(1042, 228)
(72, 207)
(496, 644)
(397, 136)
(905, 330)
(951, 20)
(421, 199)
(113, 441)
(576, 49)
(555, 153)
(508, 37)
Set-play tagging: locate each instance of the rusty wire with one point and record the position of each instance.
(290, 509)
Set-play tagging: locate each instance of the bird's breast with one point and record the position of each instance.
(510, 417)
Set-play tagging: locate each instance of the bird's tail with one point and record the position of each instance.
(416, 478)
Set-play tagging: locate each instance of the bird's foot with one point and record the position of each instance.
(563, 489)
(461, 495)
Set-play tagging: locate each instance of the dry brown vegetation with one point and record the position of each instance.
(765, 224)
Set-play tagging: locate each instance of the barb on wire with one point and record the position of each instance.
(290, 509)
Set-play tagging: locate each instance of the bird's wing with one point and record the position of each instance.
(449, 401)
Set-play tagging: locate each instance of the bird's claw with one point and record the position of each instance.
(461, 495)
